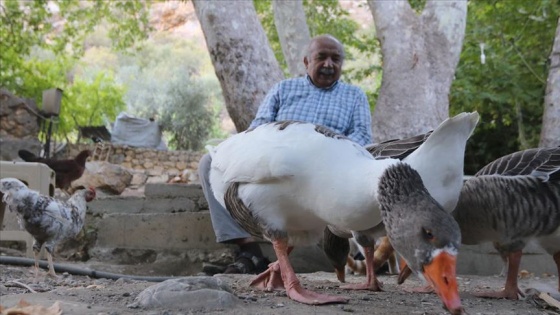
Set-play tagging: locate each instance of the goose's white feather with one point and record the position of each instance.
(298, 180)
(440, 160)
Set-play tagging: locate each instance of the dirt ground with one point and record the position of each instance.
(84, 295)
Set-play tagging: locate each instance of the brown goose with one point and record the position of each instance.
(421, 231)
(287, 181)
(510, 201)
(337, 249)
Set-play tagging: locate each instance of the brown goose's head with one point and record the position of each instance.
(419, 229)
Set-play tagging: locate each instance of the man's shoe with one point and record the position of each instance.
(246, 263)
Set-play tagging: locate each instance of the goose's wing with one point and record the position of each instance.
(263, 154)
(397, 148)
(543, 163)
(241, 213)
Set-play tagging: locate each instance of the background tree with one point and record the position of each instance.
(243, 61)
(550, 134)
(420, 54)
(291, 25)
(185, 116)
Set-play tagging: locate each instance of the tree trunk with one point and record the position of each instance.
(420, 54)
(291, 25)
(243, 60)
(550, 134)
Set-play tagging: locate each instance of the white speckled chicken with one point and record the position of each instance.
(48, 220)
(511, 201)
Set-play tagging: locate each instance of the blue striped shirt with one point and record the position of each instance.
(342, 107)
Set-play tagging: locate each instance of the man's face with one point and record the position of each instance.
(324, 62)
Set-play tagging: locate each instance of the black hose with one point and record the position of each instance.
(20, 261)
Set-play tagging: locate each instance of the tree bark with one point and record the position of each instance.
(550, 133)
(291, 25)
(420, 54)
(243, 60)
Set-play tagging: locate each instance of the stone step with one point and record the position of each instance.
(193, 191)
(135, 205)
(185, 230)
(159, 198)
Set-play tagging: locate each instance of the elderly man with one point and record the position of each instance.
(319, 98)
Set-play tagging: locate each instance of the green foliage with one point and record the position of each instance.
(508, 89)
(29, 30)
(181, 93)
(39, 73)
(84, 101)
(185, 116)
(28, 24)
(91, 102)
(417, 5)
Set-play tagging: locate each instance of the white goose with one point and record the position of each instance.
(289, 180)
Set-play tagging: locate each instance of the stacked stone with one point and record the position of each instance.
(156, 164)
(18, 119)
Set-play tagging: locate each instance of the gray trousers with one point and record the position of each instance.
(225, 227)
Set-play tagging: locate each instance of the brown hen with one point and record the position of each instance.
(66, 171)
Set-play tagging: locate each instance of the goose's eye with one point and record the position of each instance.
(428, 234)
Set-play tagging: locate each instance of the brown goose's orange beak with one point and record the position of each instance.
(441, 275)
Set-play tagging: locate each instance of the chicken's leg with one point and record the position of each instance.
(511, 290)
(51, 272)
(371, 280)
(557, 261)
(36, 256)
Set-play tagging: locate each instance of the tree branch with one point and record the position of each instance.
(293, 32)
(448, 18)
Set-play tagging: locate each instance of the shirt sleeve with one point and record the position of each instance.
(360, 131)
(269, 107)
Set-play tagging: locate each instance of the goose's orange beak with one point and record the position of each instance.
(441, 275)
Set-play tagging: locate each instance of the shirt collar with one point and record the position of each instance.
(332, 86)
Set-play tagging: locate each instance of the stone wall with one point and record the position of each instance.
(19, 126)
(17, 118)
(147, 165)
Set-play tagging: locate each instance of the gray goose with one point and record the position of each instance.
(335, 240)
(444, 186)
(510, 201)
(421, 231)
